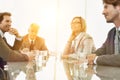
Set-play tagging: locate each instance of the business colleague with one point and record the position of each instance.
(79, 41)
(31, 40)
(109, 53)
(11, 31)
(6, 52)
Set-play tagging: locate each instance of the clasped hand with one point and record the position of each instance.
(91, 58)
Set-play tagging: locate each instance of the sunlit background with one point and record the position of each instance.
(54, 17)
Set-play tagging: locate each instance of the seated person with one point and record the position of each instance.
(109, 53)
(79, 41)
(6, 53)
(31, 40)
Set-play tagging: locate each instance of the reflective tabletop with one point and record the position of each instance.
(59, 69)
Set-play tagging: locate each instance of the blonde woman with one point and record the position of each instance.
(79, 41)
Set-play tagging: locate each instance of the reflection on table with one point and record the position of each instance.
(31, 70)
(56, 69)
(108, 73)
(77, 71)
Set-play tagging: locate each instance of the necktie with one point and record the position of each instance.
(117, 42)
(31, 46)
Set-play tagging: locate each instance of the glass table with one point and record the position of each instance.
(58, 69)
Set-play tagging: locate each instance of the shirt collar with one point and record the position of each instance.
(118, 28)
(1, 33)
(31, 40)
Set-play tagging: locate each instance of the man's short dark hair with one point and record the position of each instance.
(113, 2)
(3, 14)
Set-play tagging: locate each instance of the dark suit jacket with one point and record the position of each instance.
(106, 52)
(39, 43)
(10, 55)
(2, 63)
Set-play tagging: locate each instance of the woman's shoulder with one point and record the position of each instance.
(88, 36)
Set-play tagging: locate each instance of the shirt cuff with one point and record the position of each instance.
(95, 60)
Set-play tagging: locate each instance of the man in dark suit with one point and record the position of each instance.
(106, 55)
(6, 52)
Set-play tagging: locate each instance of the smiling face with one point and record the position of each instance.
(111, 13)
(5, 24)
(78, 25)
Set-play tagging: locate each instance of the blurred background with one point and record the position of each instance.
(54, 18)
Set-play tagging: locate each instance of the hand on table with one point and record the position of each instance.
(30, 54)
(91, 58)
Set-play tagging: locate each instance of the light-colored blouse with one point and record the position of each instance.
(83, 43)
